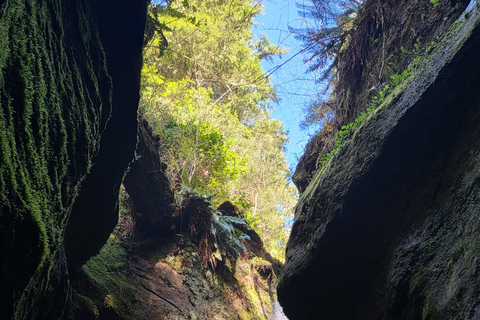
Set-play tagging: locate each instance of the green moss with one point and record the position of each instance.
(416, 78)
(429, 311)
(390, 89)
(106, 270)
(50, 114)
(111, 258)
(81, 301)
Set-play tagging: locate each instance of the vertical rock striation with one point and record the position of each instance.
(68, 99)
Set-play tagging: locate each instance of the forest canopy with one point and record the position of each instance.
(206, 95)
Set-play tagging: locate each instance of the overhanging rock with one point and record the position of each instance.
(388, 229)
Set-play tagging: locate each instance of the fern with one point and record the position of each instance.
(215, 232)
(228, 238)
(189, 192)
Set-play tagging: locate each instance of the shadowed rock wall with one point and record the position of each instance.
(386, 38)
(149, 187)
(389, 228)
(121, 25)
(68, 99)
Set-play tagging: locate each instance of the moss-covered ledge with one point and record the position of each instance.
(400, 167)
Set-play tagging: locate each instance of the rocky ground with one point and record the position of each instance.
(166, 279)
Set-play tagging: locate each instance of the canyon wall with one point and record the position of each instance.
(69, 82)
(388, 228)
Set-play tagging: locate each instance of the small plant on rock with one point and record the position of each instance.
(228, 238)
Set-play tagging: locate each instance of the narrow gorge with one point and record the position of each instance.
(143, 177)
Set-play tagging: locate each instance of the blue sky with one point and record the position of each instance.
(294, 86)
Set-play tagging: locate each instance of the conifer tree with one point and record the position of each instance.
(326, 32)
(204, 92)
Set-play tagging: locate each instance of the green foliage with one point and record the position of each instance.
(199, 157)
(228, 238)
(45, 147)
(377, 100)
(399, 77)
(326, 37)
(265, 50)
(208, 99)
(220, 235)
(430, 47)
(434, 2)
(215, 52)
(330, 23)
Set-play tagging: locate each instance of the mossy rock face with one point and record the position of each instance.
(388, 36)
(168, 281)
(57, 105)
(388, 228)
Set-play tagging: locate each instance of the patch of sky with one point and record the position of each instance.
(295, 86)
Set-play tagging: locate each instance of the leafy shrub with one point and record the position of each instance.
(198, 156)
(219, 237)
